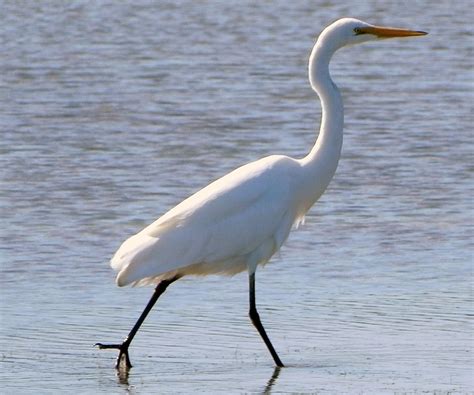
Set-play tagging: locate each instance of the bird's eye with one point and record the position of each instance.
(357, 31)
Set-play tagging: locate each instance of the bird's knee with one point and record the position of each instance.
(253, 314)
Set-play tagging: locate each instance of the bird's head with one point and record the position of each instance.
(349, 31)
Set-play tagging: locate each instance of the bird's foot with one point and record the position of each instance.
(123, 356)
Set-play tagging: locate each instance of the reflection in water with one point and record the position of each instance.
(123, 373)
(272, 380)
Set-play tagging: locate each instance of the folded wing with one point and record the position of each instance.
(240, 219)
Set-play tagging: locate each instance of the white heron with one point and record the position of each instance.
(240, 220)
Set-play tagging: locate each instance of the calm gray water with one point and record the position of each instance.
(113, 112)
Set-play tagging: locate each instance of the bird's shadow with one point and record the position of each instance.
(272, 380)
(123, 374)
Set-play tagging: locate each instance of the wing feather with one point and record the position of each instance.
(228, 219)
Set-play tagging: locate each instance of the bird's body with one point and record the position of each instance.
(240, 220)
(232, 225)
(236, 222)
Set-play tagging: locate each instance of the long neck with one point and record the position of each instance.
(329, 141)
(323, 158)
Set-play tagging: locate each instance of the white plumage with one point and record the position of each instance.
(243, 218)
(235, 223)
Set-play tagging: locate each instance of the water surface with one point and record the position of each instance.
(113, 112)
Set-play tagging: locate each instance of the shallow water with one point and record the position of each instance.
(114, 112)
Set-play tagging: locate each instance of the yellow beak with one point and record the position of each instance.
(389, 32)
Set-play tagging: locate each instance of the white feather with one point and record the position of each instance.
(242, 219)
(236, 222)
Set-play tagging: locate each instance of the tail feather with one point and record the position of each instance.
(130, 261)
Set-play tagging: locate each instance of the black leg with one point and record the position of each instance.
(123, 348)
(257, 323)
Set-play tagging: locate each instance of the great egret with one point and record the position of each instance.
(240, 220)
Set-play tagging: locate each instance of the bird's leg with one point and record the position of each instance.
(123, 347)
(257, 323)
